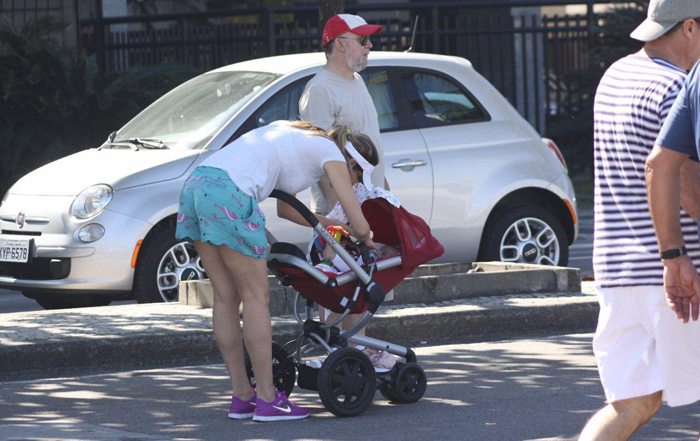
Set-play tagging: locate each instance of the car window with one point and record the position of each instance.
(438, 100)
(377, 81)
(188, 116)
(284, 105)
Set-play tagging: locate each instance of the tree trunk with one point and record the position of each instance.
(327, 9)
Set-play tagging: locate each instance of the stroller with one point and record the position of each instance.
(346, 381)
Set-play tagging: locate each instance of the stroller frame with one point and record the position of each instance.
(404, 383)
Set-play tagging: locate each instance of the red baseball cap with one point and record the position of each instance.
(342, 23)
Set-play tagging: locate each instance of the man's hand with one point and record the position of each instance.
(682, 287)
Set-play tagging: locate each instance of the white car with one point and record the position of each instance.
(98, 225)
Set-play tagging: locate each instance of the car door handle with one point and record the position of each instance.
(408, 164)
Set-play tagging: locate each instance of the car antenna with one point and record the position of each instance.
(413, 36)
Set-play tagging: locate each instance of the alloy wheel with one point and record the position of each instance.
(180, 263)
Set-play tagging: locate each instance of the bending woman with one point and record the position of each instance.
(219, 212)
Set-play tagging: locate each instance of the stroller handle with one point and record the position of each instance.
(314, 222)
(297, 205)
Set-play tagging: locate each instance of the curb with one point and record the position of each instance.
(429, 284)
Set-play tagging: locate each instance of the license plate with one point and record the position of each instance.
(14, 250)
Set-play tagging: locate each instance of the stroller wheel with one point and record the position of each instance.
(409, 385)
(388, 393)
(346, 382)
(284, 374)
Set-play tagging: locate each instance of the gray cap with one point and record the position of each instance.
(663, 15)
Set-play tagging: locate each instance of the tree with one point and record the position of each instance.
(327, 9)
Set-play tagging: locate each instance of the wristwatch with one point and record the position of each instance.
(673, 253)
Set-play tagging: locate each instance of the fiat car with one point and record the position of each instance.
(99, 225)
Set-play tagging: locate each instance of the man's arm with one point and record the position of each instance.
(681, 281)
(690, 188)
(325, 185)
(316, 107)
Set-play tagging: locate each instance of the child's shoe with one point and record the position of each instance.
(278, 409)
(242, 409)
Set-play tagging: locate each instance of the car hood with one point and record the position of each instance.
(122, 168)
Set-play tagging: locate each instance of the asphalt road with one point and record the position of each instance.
(531, 389)
(581, 252)
(14, 301)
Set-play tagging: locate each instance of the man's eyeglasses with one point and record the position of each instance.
(364, 40)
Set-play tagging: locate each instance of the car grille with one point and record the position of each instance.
(36, 269)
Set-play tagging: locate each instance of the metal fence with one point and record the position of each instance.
(19, 12)
(523, 50)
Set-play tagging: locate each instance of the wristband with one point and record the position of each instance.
(672, 254)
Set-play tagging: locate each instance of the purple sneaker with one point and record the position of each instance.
(279, 409)
(241, 409)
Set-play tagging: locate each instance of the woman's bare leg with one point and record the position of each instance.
(225, 318)
(250, 277)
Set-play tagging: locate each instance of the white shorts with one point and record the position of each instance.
(641, 347)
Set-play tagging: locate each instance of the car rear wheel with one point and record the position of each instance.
(525, 234)
(162, 263)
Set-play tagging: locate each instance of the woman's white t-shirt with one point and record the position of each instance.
(275, 157)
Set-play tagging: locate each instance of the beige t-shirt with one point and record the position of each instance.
(330, 100)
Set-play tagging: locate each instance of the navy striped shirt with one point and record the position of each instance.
(631, 104)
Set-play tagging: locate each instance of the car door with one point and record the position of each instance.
(408, 166)
(455, 127)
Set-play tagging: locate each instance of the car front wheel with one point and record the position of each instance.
(525, 234)
(163, 262)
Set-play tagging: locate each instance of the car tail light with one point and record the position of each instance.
(549, 143)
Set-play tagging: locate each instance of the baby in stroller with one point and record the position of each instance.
(346, 379)
(363, 158)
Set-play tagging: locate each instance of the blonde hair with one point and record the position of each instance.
(362, 143)
(305, 125)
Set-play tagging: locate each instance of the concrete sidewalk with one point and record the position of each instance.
(67, 342)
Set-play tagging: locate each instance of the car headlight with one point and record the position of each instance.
(91, 201)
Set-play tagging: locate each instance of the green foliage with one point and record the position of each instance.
(53, 102)
(610, 42)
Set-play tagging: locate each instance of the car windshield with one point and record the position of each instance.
(188, 117)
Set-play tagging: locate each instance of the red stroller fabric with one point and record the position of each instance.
(391, 226)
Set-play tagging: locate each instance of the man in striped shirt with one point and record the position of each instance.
(636, 344)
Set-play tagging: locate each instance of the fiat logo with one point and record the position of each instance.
(20, 219)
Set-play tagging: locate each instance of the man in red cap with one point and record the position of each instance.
(337, 96)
